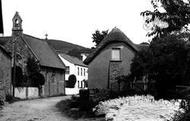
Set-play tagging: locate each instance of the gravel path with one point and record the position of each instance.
(35, 110)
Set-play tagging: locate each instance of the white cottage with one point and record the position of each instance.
(74, 66)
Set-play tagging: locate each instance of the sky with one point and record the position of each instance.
(75, 21)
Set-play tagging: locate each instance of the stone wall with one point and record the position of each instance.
(5, 74)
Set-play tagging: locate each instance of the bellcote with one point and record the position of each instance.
(17, 24)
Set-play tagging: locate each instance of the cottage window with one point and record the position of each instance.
(116, 54)
(78, 84)
(81, 84)
(78, 70)
(67, 70)
(81, 71)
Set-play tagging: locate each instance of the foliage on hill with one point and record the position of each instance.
(68, 48)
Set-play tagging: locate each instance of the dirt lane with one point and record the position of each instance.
(34, 110)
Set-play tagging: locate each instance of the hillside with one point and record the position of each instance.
(68, 48)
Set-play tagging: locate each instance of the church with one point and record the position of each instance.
(22, 46)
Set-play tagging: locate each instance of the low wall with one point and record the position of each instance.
(23, 92)
(71, 91)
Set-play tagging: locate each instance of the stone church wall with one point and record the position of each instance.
(5, 75)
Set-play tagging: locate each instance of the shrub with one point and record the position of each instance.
(71, 81)
(9, 98)
(19, 78)
(36, 79)
(101, 95)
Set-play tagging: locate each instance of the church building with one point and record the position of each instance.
(23, 46)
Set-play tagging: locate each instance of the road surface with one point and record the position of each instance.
(36, 110)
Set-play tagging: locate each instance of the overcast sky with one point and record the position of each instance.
(75, 20)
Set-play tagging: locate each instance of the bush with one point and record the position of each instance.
(9, 98)
(101, 95)
(71, 81)
(36, 79)
(19, 79)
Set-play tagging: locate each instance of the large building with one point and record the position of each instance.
(110, 59)
(23, 46)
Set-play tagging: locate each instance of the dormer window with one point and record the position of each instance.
(116, 54)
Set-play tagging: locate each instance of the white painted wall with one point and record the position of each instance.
(21, 92)
(80, 77)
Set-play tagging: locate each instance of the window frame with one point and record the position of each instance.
(78, 71)
(67, 71)
(116, 59)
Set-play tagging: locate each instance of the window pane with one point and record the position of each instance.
(115, 54)
(78, 70)
(67, 70)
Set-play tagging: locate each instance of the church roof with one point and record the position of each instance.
(73, 60)
(44, 52)
(41, 49)
(116, 35)
(3, 40)
(4, 51)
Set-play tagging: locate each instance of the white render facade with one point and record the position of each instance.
(79, 70)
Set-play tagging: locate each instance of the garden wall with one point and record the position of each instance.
(24, 93)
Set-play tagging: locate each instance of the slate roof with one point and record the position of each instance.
(73, 60)
(41, 49)
(3, 40)
(7, 53)
(116, 35)
(44, 52)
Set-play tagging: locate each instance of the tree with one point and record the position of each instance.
(36, 79)
(71, 81)
(19, 78)
(32, 66)
(98, 36)
(166, 61)
(168, 16)
(75, 53)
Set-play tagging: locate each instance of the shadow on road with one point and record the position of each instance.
(71, 109)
